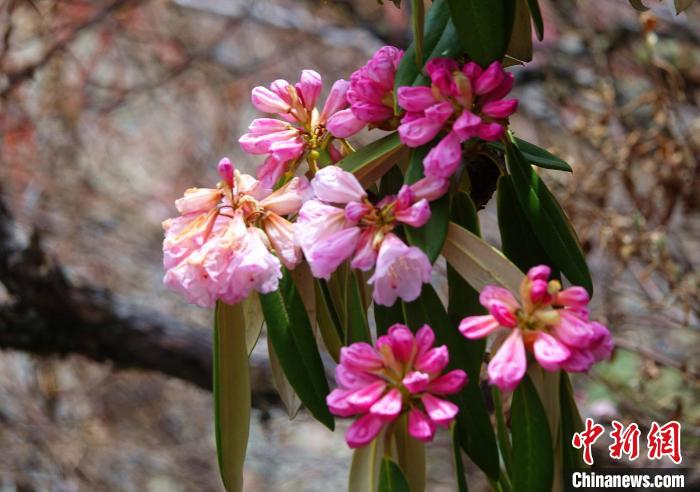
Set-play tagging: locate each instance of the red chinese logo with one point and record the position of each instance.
(586, 438)
(665, 440)
(626, 441)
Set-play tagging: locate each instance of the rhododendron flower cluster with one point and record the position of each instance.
(466, 103)
(222, 244)
(301, 132)
(402, 373)
(340, 223)
(371, 95)
(550, 322)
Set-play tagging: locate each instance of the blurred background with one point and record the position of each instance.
(109, 109)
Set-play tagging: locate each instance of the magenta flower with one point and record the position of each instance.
(371, 95)
(341, 223)
(464, 103)
(401, 374)
(301, 131)
(551, 323)
(222, 244)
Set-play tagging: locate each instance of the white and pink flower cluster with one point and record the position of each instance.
(465, 102)
(550, 322)
(401, 374)
(222, 244)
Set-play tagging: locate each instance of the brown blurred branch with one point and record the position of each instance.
(43, 313)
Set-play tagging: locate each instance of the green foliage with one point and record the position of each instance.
(391, 477)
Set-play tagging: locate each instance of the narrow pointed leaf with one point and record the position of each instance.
(357, 325)
(571, 423)
(391, 182)
(385, 316)
(366, 465)
(254, 321)
(479, 263)
(460, 477)
(554, 231)
(328, 320)
(289, 398)
(411, 456)
(231, 388)
(538, 156)
(532, 442)
(682, 5)
(391, 478)
(418, 19)
(534, 7)
(289, 331)
(520, 47)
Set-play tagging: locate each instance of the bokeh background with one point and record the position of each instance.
(109, 109)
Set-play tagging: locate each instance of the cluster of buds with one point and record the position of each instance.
(466, 103)
(550, 322)
(221, 245)
(302, 132)
(401, 374)
(340, 223)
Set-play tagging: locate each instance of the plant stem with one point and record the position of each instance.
(502, 431)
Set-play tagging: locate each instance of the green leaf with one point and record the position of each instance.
(328, 320)
(460, 477)
(391, 477)
(478, 262)
(536, 18)
(520, 46)
(682, 5)
(385, 316)
(231, 387)
(254, 321)
(637, 4)
(484, 27)
(391, 182)
(366, 465)
(571, 423)
(372, 161)
(289, 331)
(532, 442)
(411, 455)
(418, 18)
(518, 241)
(476, 432)
(357, 326)
(546, 217)
(431, 236)
(538, 156)
(289, 398)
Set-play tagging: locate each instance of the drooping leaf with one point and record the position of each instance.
(418, 19)
(289, 331)
(385, 316)
(546, 217)
(391, 477)
(534, 7)
(682, 5)
(431, 236)
(289, 398)
(479, 263)
(328, 320)
(304, 282)
(366, 466)
(254, 321)
(372, 161)
(484, 27)
(410, 455)
(460, 477)
(231, 388)
(391, 182)
(571, 423)
(518, 241)
(520, 46)
(476, 433)
(532, 442)
(357, 327)
(538, 156)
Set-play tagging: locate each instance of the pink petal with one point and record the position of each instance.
(338, 404)
(417, 98)
(416, 381)
(364, 398)
(389, 406)
(501, 91)
(344, 124)
(603, 345)
(325, 256)
(371, 112)
(500, 109)
(351, 378)
(549, 351)
(540, 272)
(198, 200)
(474, 327)
(309, 88)
(430, 188)
(289, 198)
(579, 361)
(434, 360)
(354, 211)
(539, 292)
(449, 383)
(334, 185)
(416, 215)
(336, 100)
(490, 131)
(466, 125)
(271, 171)
(440, 411)
(508, 366)
(364, 430)
(225, 170)
(573, 296)
(420, 426)
(361, 356)
(492, 293)
(573, 330)
(402, 342)
(490, 79)
(268, 102)
(365, 254)
(443, 159)
(281, 235)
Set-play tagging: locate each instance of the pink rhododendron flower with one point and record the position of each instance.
(341, 223)
(401, 374)
(371, 95)
(301, 132)
(463, 103)
(221, 246)
(550, 322)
